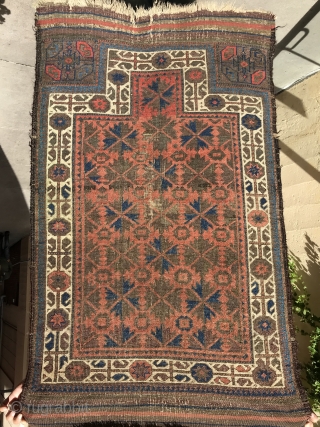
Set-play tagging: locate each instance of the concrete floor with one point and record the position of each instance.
(17, 60)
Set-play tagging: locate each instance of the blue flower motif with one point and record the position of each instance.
(251, 122)
(264, 325)
(215, 102)
(59, 171)
(161, 60)
(264, 375)
(118, 77)
(60, 121)
(201, 372)
(254, 170)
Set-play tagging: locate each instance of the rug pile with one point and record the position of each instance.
(160, 292)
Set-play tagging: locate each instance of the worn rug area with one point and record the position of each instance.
(160, 292)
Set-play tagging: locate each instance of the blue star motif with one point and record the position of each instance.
(201, 372)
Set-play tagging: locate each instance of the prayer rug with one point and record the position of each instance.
(160, 292)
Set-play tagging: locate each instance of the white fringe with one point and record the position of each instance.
(159, 8)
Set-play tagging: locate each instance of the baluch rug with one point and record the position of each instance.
(160, 293)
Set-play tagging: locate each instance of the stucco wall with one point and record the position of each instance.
(298, 121)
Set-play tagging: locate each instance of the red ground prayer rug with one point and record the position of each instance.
(160, 292)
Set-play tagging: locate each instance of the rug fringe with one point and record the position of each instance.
(159, 7)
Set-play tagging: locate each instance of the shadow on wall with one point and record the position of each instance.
(3, 11)
(310, 272)
(300, 161)
(12, 201)
(300, 29)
